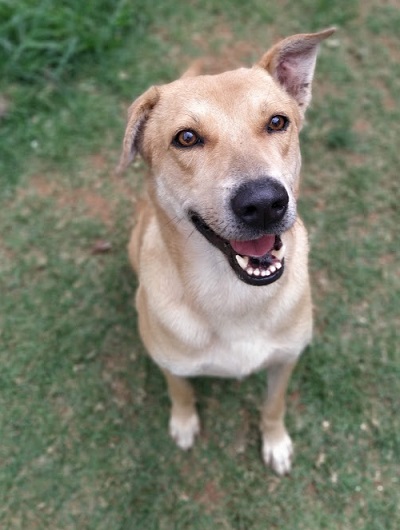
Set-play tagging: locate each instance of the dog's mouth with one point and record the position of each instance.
(255, 262)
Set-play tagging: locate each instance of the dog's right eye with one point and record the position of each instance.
(277, 123)
(187, 138)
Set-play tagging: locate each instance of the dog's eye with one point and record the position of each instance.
(187, 139)
(277, 123)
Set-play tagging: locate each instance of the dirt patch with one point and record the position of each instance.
(392, 44)
(122, 392)
(231, 56)
(386, 260)
(115, 366)
(99, 162)
(355, 159)
(388, 101)
(7, 256)
(222, 53)
(294, 398)
(210, 496)
(362, 126)
(41, 186)
(94, 204)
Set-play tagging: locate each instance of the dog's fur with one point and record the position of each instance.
(199, 313)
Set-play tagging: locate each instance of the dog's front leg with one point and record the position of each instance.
(277, 447)
(184, 422)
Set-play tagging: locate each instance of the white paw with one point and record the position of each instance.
(184, 430)
(278, 454)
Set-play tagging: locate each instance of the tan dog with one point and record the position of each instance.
(220, 253)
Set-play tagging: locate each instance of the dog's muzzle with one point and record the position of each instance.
(254, 270)
(259, 206)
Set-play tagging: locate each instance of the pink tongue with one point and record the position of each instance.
(255, 248)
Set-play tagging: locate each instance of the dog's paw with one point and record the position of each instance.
(184, 430)
(278, 454)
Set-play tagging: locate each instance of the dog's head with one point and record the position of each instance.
(224, 153)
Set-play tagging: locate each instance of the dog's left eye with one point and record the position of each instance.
(187, 138)
(277, 123)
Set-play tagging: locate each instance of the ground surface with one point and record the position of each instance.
(83, 412)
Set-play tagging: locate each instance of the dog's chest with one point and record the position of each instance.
(238, 356)
(235, 349)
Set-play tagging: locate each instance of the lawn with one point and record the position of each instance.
(83, 411)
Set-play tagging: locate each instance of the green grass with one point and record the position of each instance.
(83, 411)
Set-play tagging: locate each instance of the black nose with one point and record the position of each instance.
(260, 203)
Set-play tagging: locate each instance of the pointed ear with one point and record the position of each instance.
(291, 62)
(195, 69)
(138, 113)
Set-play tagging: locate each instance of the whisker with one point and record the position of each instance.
(174, 219)
(190, 235)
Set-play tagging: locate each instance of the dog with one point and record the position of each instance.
(219, 250)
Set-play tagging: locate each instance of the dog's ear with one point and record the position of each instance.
(195, 69)
(138, 113)
(291, 62)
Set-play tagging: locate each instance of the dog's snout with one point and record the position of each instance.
(260, 203)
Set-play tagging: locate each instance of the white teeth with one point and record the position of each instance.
(244, 263)
(242, 260)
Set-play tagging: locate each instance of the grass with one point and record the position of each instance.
(84, 412)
